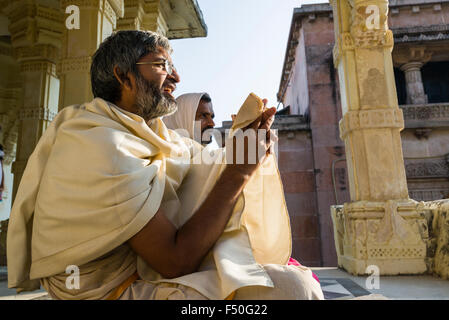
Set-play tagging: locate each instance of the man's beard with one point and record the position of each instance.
(151, 102)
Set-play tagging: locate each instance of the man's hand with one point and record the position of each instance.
(249, 148)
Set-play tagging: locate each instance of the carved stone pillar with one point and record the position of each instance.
(381, 226)
(35, 28)
(97, 21)
(414, 84)
(411, 60)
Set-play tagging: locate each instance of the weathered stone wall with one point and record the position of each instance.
(297, 172)
(430, 13)
(324, 117)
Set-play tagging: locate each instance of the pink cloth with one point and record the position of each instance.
(294, 262)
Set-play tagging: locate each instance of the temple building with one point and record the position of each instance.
(312, 156)
(46, 48)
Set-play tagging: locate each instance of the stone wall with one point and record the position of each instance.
(324, 115)
(297, 172)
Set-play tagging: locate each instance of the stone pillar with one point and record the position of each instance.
(97, 21)
(410, 59)
(381, 226)
(35, 28)
(414, 84)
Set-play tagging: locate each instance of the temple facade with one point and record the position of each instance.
(313, 155)
(45, 56)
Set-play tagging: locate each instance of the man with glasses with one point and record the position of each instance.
(101, 196)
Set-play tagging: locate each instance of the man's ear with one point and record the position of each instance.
(126, 80)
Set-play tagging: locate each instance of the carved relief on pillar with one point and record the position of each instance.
(369, 119)
(392, 235)
(369, 26)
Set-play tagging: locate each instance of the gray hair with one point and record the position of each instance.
(124, 49)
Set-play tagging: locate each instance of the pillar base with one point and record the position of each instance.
(392, 235)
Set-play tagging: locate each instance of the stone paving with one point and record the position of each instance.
(336, 285)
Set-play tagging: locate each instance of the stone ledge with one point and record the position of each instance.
(281, 123)
(431, 115)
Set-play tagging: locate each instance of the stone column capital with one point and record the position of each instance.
(405, 54)
(412, 66)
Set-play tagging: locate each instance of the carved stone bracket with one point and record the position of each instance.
(403, 55)
(368, 119)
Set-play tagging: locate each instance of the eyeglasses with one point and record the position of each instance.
(168, 66)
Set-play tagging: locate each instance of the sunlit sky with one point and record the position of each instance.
(243, 52)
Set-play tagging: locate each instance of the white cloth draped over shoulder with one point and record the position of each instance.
(99, 174)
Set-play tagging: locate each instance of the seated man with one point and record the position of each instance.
(100, 195)
(195, 115)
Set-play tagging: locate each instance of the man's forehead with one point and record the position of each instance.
(160, 52)
(205, 107)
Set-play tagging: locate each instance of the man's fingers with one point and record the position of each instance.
(255, 124)
(268, 118)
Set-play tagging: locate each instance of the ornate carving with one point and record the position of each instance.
(39, 51)
(435, 168)
(33, 66)
(368, 119)
(434, 111)
(369, 232)
(110, 13)
(428, 195)
(36, 113)
(74, 64)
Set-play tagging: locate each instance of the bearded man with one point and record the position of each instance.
(104, 191)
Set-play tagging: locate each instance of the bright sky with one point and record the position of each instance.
(242, 53)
